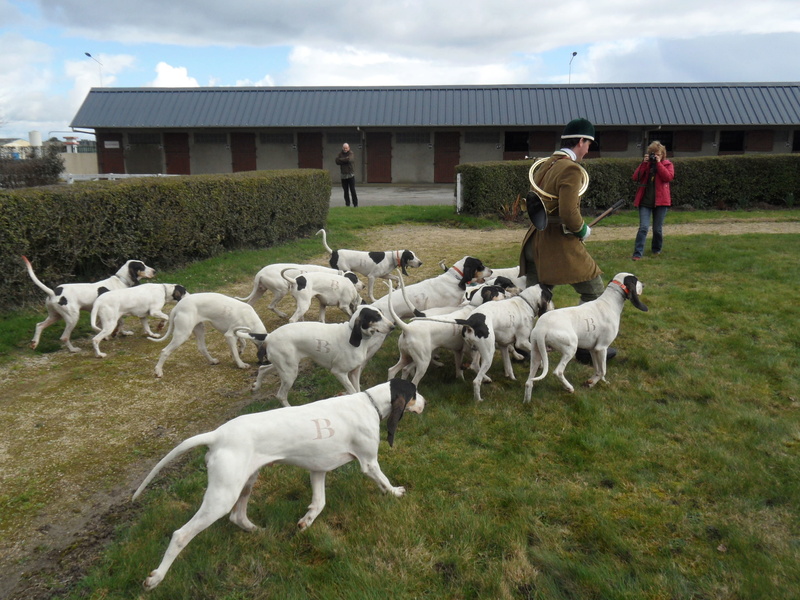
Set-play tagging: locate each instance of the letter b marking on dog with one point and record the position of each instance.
(324, 429)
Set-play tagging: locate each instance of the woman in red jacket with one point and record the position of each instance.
(652, 197)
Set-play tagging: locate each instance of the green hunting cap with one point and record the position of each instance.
(579, 128)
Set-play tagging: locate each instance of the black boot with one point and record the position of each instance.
(585, 357)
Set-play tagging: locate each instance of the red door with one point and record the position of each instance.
(446, 156)
(379, 158)
(110, 154)
(176, 154)
(243, 152)
(309, 150)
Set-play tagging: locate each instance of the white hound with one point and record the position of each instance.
(331, 289)
(235, 319)
(69, 299)
(371, 264)
(269, 279)
(446, 289)
(342, 348)
(503, 325)
(319, 436)
(592, 325)
(143, 301)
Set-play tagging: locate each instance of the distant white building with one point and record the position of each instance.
(14, 148)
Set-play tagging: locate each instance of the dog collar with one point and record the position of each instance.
(458, 271)
(374, 404)
(622, 287)
(398, 257)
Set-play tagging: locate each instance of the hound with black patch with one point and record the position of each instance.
(331, 289)
(319, 436)
(503, 325)
(269, 279)
(342, 348)
(143, 301)
(237, 321)
(69, 299)
(592, 325)
(371, 264)
(446, 289)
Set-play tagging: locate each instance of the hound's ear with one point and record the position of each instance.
(178, 293)
(632, 283)
(134, 269)
(547, 293)
(468, 275)
(402, 392)
(356, 335)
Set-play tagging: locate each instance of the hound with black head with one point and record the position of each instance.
(503, 325)
(330, 289)
(143, 301)
(446, 289)
(342, 348)
(372, 265)
(237, 321)
(593, 325)
(319, 436)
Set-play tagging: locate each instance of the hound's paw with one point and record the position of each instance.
(398, 492)
(153, 580)
(305, 522)
(214, 361)
(245, 524)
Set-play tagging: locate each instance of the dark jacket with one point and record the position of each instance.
(346, 162)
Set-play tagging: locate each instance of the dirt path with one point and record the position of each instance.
(80, 433)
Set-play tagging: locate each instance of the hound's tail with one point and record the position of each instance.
(539, 343)
(290, 280)
(397, 320)
(167, 333)
(93, 318)
(42, 286)
(203, 439)
(325, 240)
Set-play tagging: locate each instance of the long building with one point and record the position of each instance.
(418, 134)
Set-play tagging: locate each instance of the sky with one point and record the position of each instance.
(45, 72)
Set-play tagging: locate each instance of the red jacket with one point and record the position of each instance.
(665, 173)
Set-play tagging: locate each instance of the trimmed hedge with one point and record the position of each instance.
(719, 182)
(84, 232)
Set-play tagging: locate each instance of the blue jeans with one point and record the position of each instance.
(658, 214)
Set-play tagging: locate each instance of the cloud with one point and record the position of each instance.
(169, 76)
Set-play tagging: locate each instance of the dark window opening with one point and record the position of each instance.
(731, 141)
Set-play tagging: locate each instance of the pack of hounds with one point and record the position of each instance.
(468, 309)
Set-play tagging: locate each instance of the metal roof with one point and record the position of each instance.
(724, 104)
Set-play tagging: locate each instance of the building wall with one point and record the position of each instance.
(413, 150)
(209, 157)
(412, 161)
(274, 156)
(80, 164)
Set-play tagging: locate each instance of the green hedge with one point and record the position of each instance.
(84, 232)
(720, 182)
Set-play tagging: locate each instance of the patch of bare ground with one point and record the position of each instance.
(80, 433)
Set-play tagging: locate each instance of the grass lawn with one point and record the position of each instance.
(678, 478)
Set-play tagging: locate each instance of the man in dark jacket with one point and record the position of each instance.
(346, 161)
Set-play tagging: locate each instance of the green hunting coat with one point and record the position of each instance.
(560, 258)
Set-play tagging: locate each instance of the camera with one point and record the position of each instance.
(652, 157)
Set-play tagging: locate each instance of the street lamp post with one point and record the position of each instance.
(100, 66)
(574, 54)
